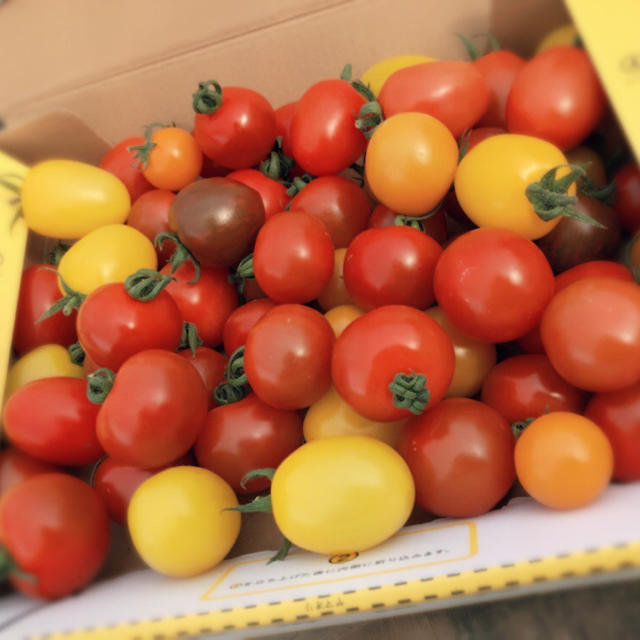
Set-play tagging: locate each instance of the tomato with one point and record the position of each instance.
(627, 204)
(211, 366)
(247, 435)
(16, 467)
(293, 257)
(473, 359)
(237, 129)
(172, 159)
(493, 284)
(528, 386)
(242, 320)
(109, 254)
(332, 416)
(180, 521)
(531, 342)
(68, 199)
(212, 170)
(434, 226)
(410, 163)
(284, 118)
(55, 529)
(556, 96)
(477, 135)
(339, 203)
(287, 357)
(364, 499)
(273, 193)
(324, 137)
(150, 215)
(617, 413)
(592, 163)
(604, 268)
(45, 361)
(218, 220)
(51, 419)
(393, 265)
(335, 292)
(122, 163)
(453, 91)
(342, 316)
(563, 35)
(591, 333)
(392, 362)
(492, 178)
(499, 70)
(377, 75)
(563, 460)
(39, 290)
(155, 410)
(461, 456)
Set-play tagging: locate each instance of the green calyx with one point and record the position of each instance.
(518, 427)
(190, 338)
(410, 392)
(99, 384)
(243, 272)
(416, 222)
(369, 118)
(235, 373)
(67, 304)
(76, 353)
(473, 51)
(180, 255)
(278, 165)
(226, 393)
(146, 284)
(298, 184)
(606, 194)
(142, 151)
(55, 255)
(8, 567)
(207, 97)
(362, 88)
(267, 472)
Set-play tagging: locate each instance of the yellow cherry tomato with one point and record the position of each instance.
(376, 75)
(333, 416)
(563, 35)
(410, 163)
(342, 316)
(335, 293)
(591, 161)
(108, 254)
(179, 522)
(45, 361)
(474, 359)
(67, 199)
(492, 178)
(342, 494)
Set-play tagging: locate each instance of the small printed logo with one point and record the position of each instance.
(339, 558)
(631, 63)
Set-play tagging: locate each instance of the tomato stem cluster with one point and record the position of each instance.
(76, 353)
(410, 392)
(145, 284)
(67, 304)
(278, 165)
(235, 386)
(99, 384)
(190, 338)
(207, 97)
(415, 222)
(142, 151)
(180, 255)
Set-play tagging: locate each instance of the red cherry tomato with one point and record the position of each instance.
(273, 193)
(113, 326)
(55, 528)
(287, 357)
(16, 467)
(393, 265)
(324, 137)
(477, 135)
(461, 457)
(434, 226)
(39, 290)
(207, 303)
(339, 203)
(150, 215)
(527, 387)
(627, 203)
(211, 366)
(389, 345)
(293, 257)
(242, 320)
(240, 132)
(284, 118)
(155, 410)
(452, 91)
(51, 419)
(493, 284)
(122, 163)
(247, 435)
(556, 96)
(617, 413)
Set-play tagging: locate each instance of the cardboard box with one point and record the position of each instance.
(84, 72)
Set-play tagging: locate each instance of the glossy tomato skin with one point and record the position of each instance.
(384, 342)
(284, 118)
(217, 219)
(122, 163)
(339, 203)
(273, 193)
(591, 269)
(393, 265)
(434, 226)
(453, 91)
(113, 326)
(591, 333)
(493, 284)
(293, 257)
(155, 410)
(556, 96)
(56, 529)
(287, 357)
(617, 413)
(51, 419)
(241, 132)
(211, 366)
(461, 457)
(16, 467)
(627, 203)
(247, 435)
(376, 75)
(335, 292)
(39, 290)
(528, 386)
(324, 137)
(242, 320)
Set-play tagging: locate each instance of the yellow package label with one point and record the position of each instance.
(610, 34)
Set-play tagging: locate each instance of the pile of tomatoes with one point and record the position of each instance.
(412, 289)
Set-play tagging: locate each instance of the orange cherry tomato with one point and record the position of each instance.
(335, 293)
(342, 316)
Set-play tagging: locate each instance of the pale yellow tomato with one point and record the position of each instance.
(563, 35)
(342, 316)
(376, 75)
(335, 293)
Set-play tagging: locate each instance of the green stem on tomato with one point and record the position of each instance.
(99, 384)
(208, 97)
(410, 392)
(180, 255)
(146, 284)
